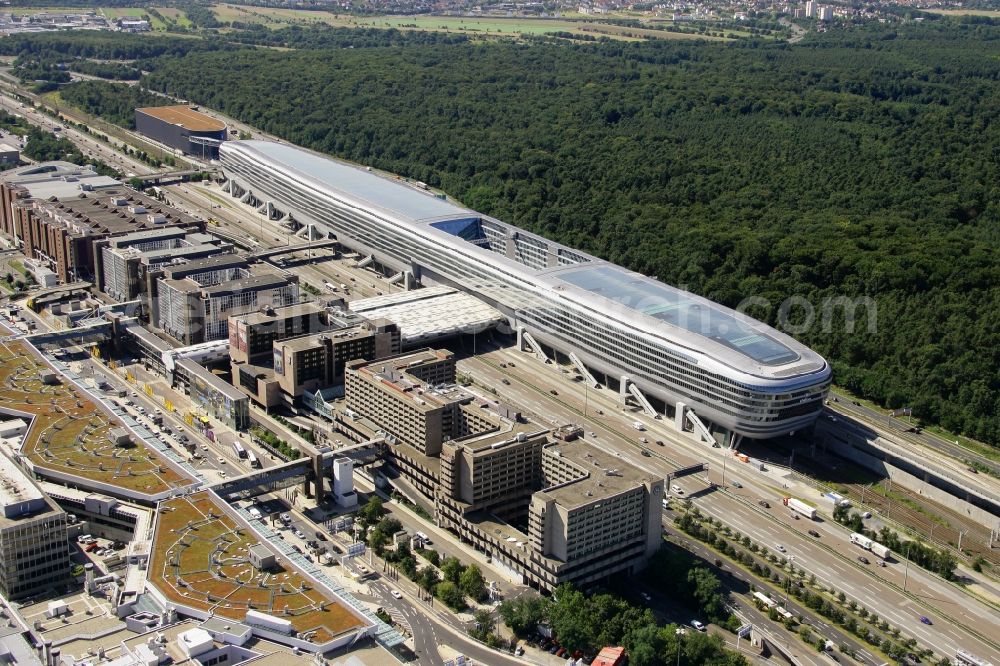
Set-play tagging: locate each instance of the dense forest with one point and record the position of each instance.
(858, 165)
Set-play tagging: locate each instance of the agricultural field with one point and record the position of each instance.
(201, 559)
(990, 13)
(485, 26)
(69, 434)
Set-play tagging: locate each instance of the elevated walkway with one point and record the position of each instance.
(367, 261)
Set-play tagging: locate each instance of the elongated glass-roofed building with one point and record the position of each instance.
(733, 371)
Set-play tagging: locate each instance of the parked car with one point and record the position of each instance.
(700, 626)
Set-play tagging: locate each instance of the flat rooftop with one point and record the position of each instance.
(107, 212)
(185, 116)
(151, 234)
(602, 474)
(190, 529)
(56, 179)
(252, 283)
(69, 433)
(275, 314)
(313, 339)
(431, 313)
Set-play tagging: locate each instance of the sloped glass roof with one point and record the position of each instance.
(680, 309)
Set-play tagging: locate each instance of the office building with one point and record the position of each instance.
(401, 395)
(554, 512)
(194, 300)
(182, 128)
(588, 514)
(128, 262)
(252, 335)
(686, 352)
(57, 214)
(811, 9)
(34, 546)
(305, 363)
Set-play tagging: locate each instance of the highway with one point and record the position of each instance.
(89, 146)
(831, 557)
(960, 622)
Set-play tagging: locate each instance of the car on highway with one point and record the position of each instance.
(285, 518)
(299, 533)
(222, 461)
(926, 620)
(765, 504)
(553, 392)
(659, 442)
(396, 594)
(320, 536)
(814, 533)
(646, 454)
(506, 382)
(736, 484)
(697, 624)
(781, 549)
(204, 447)
(863, 559)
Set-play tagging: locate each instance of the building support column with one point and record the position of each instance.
(680, 414)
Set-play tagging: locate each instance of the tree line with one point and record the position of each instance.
(856, 170)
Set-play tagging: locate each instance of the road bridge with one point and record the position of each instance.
(170, 177)
(286, 249)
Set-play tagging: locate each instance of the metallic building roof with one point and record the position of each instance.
(711, 334)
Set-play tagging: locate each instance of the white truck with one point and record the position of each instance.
(800, 507)
(880, 550)
(861, 540)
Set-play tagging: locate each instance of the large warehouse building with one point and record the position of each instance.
(183, 129)
(686, 351)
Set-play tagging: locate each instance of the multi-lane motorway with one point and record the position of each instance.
(962, 621)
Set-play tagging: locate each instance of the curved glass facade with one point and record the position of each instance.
(731, 370)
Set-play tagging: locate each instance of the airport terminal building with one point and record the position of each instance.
(686, 351)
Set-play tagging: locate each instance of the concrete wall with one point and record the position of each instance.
(917, 484)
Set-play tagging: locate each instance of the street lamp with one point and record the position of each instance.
(679, 632)
(906, 570)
